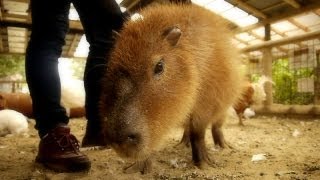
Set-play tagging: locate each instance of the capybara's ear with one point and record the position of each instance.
(172, 35)
(115, 34)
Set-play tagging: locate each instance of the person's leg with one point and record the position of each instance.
(49, 28)
(99, 18)
(58, 149)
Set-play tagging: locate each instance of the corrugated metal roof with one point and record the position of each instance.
(287, 18)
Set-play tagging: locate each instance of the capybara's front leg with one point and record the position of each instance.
(186, 135)
(144, 167)
(185, 140)
(218, 137)
(240, 115)
(199, 151)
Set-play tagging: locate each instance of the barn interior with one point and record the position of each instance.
(279, 41)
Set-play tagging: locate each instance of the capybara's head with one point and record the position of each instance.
(149, 86)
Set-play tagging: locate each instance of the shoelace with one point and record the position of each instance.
(68, 141)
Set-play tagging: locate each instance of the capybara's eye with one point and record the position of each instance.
(158, 69)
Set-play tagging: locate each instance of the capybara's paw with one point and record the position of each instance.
(211, 162)
(223, 146)
(201, 159)
(241, 123)
(219, 139)
(205, 162)
(185, 141)
(143, 167)
(226, 145)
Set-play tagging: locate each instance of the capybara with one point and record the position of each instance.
(253, 94)
(18, 101)
(3, 102)
(12, 122)
(245, 101)
(173, 65)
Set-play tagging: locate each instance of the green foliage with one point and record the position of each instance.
(286, 80)
(12, 64)
(15, 64)
(78, 66)
(255, 77)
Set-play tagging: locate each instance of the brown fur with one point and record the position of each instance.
(201, 79)
(3, 103)
(77, 112)
(20, 102)
(245, 101)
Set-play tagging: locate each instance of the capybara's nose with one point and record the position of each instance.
(133, 138)
(129, 138)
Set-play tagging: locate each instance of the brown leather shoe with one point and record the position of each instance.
(59, 151)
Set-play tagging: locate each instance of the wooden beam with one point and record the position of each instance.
(11, 53)
(261, 38)
(132, 4)
(288, 40)
(273, 6)
(293, 3)
(283, 34)
(22, 54)
(181, 1)
(250, 9)
(14, 16)
(21, 1)
(282, 49)
(296, 23)
(4, 39)
(255, 35)
(126, 3)
(26, 38)
(73, 45)
(258, 37)
(1, 43)
(2, 11)
(282, 15)
(74, 26)
(240, 40)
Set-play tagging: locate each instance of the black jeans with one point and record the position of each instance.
(50, 25)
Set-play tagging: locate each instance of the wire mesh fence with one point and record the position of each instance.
(295, 72)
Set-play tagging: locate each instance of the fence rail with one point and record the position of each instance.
(12, 86)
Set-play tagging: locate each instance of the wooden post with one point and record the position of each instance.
(267, 66)
(13, 87)
(317, 80)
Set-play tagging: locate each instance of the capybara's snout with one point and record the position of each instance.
(123, 136)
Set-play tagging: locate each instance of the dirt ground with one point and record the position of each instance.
(291, 148)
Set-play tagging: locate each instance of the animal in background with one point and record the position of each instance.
(72, 98)
(3, 102)
(244, 102)
(259, 93)
(174, 65)
(12, 122)
(253, 94)
(20, 102)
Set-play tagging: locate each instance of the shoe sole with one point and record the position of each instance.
(93, 148)
(67, 166)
